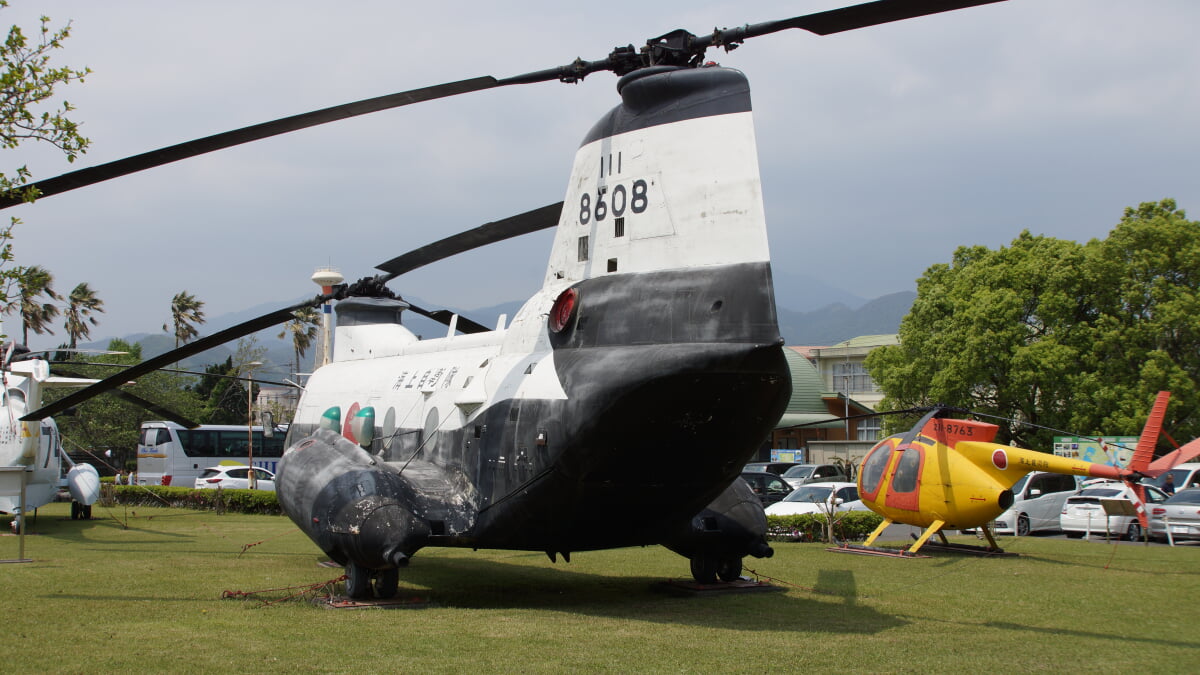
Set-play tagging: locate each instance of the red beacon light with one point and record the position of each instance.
(563, 310)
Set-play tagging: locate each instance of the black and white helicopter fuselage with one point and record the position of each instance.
(618, 405)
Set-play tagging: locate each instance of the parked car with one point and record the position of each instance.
(234, 477)
(1084, 512)
(1038, 500)
(776, 468)
(1180, 513)
(1183, 476)
(802, 474)
(769, 487)
(819, 498)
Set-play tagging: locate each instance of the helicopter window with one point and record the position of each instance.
(619, 227)
(612, 264)
(873, 467)
(905, 478)
(583, 249)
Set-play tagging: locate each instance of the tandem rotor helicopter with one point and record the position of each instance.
(655, 329)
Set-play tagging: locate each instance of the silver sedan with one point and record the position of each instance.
(1179, 516)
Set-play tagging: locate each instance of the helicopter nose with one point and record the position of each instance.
(347, 504)
(378, 537)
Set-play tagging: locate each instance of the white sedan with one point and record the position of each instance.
(819, 498)
(235, 478)
(1084, 512)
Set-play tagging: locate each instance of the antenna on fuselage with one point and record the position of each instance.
(326, 278)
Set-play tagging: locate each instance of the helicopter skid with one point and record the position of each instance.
(970, 549)
(874, 550)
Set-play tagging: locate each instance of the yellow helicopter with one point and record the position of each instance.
(948, 474)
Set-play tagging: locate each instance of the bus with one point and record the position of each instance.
(171, 454)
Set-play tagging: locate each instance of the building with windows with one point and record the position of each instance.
(830, 384)
(842, 370)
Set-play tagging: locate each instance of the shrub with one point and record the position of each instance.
(241, 501)
(850, 526)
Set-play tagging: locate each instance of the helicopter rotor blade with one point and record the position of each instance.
(140, 402)
(530, 221)
(846, 18)
(228, 139)
(488, 233)
(444, 317)
(219, 338)
(677, 48)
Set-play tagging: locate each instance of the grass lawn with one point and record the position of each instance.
(141, 590)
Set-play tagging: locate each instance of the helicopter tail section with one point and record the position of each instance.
(1150, 433)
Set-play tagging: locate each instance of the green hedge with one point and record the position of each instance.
(241, 501)
(851, 526)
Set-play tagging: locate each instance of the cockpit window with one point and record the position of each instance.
(905, 478)
(874, 465)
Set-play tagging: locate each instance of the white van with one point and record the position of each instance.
(1185, 476)
(1038, 501)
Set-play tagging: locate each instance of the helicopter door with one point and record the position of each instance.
(905, 487)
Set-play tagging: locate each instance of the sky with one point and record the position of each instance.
(881, 150)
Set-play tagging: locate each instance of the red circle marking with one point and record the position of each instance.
(1000, 459)
(346, 430)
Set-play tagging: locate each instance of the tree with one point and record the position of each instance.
(1147, 331)
(304, 329)
(27, 85)
(186, 314)
(108, 423)
(223, 395)
(81, 303)
(33, 283)
(1055, 333)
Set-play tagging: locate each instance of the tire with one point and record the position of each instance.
(1074, 535)
(86, 512)
(358, 582)
(730, 569)
(75, 510)
(1022, 525)
(704, 570)
(1134, 531)
(387, 582)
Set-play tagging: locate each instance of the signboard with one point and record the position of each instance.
(1110, 450)
(796, 456)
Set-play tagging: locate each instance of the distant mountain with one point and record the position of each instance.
(802, 293)
(840, 316)
(837, 322)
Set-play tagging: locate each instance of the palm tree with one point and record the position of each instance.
(185, 311)
(303, 329)
(36, 315)
(81, 303)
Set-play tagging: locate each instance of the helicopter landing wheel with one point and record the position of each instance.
(730, 569)
(387, 582)
(75, 510)
(1022, 525)
(85, 512)
(358, 581)
(704, 569)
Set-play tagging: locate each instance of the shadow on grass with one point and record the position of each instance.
(1058, 633)
(498, 584)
